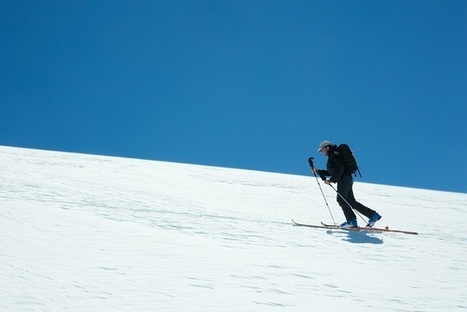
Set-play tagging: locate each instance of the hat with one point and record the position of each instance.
(323, 145)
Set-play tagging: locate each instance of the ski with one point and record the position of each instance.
(311, 225)
(357, 229)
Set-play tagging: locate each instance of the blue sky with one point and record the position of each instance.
(252, 84)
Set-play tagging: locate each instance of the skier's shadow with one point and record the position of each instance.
(360, 238)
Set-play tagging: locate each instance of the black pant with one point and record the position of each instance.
(344, 188)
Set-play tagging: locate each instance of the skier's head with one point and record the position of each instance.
(323, 145)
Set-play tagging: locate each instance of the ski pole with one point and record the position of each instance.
(345, 200)
(310, 162)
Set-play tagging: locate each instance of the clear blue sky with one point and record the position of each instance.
(253, 84)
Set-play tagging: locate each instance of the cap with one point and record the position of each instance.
(323, 145)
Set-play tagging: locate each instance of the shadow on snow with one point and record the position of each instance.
(359, 237)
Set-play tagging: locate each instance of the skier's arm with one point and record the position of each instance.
(323, 174)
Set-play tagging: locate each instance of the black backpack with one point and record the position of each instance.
(350, 162)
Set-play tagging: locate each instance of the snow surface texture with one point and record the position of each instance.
(92, 233)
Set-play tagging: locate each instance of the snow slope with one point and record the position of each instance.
(93, 233)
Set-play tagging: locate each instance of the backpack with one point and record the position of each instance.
(350, 162)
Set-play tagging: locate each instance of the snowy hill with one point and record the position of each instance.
(93, 233)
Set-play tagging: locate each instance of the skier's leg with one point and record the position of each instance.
(367, 212)
(344, 186)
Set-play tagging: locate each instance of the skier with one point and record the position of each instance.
(340, 174)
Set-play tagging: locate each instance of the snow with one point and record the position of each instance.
(93, 233)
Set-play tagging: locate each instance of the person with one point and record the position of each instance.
(338, 173)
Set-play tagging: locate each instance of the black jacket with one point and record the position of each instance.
(335, 167)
